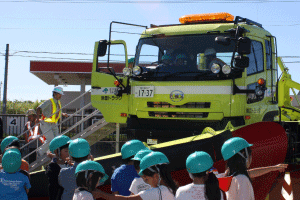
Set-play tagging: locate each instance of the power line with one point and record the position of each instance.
(148, 2)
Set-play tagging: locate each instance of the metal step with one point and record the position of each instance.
(91, 129)
(42, 160)
(39, 162)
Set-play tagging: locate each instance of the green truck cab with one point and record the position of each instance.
(205, 72)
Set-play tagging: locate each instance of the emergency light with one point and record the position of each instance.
(206, 17)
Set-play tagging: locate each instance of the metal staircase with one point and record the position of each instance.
(72, 133)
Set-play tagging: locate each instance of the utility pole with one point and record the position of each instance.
(5, 88)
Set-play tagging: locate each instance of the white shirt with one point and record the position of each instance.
(154, 194)
(240, 188)
(83, 195)
(192, 191)
(138, 185)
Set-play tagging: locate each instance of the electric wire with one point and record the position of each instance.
(148, 2)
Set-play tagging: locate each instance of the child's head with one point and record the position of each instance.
(236, 151)
(154, 168)
(89, 174)
(138, 157)
(198, 164)
(11, 161)
(9, 141)
(59, 146)
(79, 150)
(130, 148)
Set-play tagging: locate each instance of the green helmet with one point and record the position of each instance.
(58, 141)
(131, 147)
(7, 141)
(198, 162)
(181, 56)
(91, 165)
(79, 148)
(11, 161)
(232, 146)
(141, 154)
(131, 60)
(152, 159)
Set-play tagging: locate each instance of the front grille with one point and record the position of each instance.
(187, 105)
(178, 114)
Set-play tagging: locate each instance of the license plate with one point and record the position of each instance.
(144, 91)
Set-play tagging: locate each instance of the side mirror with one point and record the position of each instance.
(244, 45)
(241, 61)
(102, 48)
(223, 40)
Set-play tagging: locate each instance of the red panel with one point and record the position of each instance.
(47, 66)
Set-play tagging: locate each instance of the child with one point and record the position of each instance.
(88, 175)
(124, 175)
(79, 150)
(59, 146)
(138, 184)
(205, 185)
(236, 151)
(13, 184)
(154, 171)
(12, 142)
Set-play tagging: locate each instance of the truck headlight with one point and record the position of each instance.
(137, 70)
(215, 68)
(226, 69)
(126, 71)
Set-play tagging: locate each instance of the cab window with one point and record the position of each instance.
(268, 54)
(256, 58)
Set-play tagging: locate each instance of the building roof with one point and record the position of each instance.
(68, 73)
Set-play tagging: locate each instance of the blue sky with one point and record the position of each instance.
(74, 26)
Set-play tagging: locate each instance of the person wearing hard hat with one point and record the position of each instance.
(13, 184)
(32, 132)
(205, 184)
(154, 171)
(138, 184)
(89, 175)
(124, 175)
(12, 142)
(51, 114)
(130, 63)
(79, 151)
(60, 147)
(236, 152)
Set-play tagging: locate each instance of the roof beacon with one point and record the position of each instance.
(206, 17)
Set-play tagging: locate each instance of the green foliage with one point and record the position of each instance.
(21, 107)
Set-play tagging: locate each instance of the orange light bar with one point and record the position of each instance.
(221, 16)
(247, 117)
(261, 81)
(117, 83)
(123, 114)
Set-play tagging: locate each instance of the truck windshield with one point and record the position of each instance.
(182, 56)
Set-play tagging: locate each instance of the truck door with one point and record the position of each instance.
(255, 105)
(105, 85)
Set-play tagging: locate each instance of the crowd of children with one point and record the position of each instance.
(146, 175)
